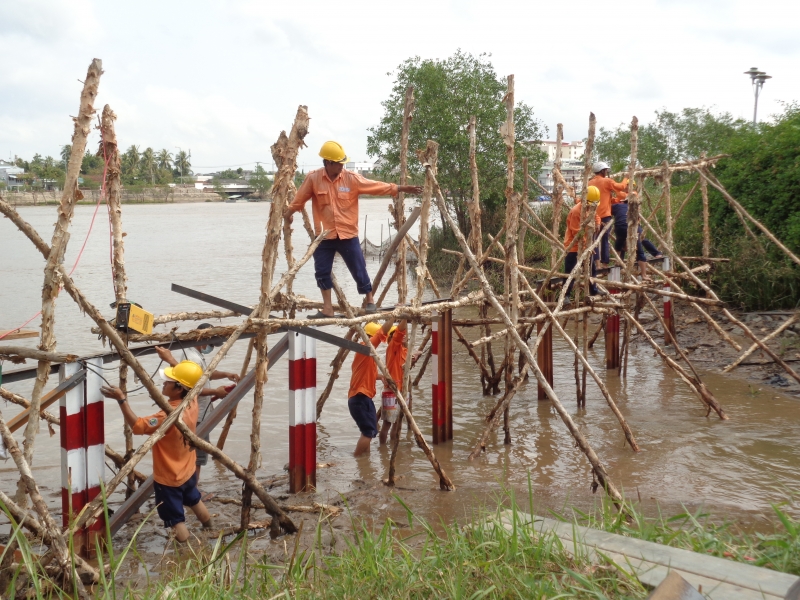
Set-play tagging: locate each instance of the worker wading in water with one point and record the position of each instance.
(334, 193)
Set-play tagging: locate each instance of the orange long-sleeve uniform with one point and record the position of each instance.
(619, 197)
(365, 371)
(574, 224)
(334, 204)
(606, 185)
(396, 354)
(173, 457)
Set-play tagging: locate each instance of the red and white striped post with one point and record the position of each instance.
(95, 446)
(302, 413)
(612, 327)
(436, 387)
(82, 450)
(73, 454)
(668, 320)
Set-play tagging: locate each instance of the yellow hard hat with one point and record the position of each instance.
(593, 194)
(372, 328)
(186, 373)
(333, 151)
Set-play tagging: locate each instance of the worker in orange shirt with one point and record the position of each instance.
(334, 193)
(362, 388)
(606, 185)
(572, 240)
(619, 208)
(396, 353)
(173, 459)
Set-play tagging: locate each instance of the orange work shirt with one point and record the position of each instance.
(574, 224)
(173, 457)
(365, 371)
(619, 197)
(396, 354)
(606, 185)
(334, 204)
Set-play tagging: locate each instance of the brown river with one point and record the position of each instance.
(735, 469)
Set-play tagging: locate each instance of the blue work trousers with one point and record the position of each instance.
(350, 251)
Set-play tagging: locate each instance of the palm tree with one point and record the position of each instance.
(164, 160)
(183, 164)
(66, 151)
(148, 164)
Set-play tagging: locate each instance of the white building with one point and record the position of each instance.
(9, 175)
(569, 150)
(571, 170)
(362, 168)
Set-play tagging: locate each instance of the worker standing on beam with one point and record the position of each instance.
(619, 209)
(606, 185)
(334, 194)
(572, 239)
(173, 459)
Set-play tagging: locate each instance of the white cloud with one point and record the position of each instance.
(224, 78)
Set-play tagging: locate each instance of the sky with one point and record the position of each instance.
(222, 79)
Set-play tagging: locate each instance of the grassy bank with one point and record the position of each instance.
(416, 559)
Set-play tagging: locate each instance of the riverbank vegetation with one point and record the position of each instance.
(477, 559)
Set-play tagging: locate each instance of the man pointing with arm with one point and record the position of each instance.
(334, 194)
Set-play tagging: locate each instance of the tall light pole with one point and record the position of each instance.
(757, 78)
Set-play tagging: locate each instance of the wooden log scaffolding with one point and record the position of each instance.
(528, 316)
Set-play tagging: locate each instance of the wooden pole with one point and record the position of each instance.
(587, 270)
(558, 194)
(511, 271)
(666, 191)
(223, 436)
(399, 201)
(113, 186)
(706, 226)
(284, 154)
(788, 323)
(58, 246)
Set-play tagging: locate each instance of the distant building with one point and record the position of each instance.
(571, 170)
(362, 168)
(569, 150)
(10, 175)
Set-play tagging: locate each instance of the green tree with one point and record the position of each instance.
(674, 137)
(446, 93)
(130, 164)
(164, 160)
(66, 151)
(183, 164)
(148, 164)
(260, 182)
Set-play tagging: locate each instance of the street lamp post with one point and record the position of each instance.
(757, 78)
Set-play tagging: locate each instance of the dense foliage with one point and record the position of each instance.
(446, 93)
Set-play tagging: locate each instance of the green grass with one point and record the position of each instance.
(416, 559)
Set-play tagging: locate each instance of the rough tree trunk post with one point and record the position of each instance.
(706, 228)
(284, 153)
(511, 272)
(587, 269)
(666, 191)
(634, 204)
(223, 436)
(476, 242)
(557, 196)
(399, 201)
(597, 467)
(109, 152)
(58, 246)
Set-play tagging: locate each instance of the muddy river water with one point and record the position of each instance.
(735, 468)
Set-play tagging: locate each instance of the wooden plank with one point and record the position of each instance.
(17, 334)
(651, 562)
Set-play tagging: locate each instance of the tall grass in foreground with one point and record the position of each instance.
(480, 559)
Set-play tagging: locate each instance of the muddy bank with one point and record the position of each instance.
(140, 196)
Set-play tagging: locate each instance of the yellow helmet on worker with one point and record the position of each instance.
(593, 194)
(372, 328)
(333, 152)
(186, 373)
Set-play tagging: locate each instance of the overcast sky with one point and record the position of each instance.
(223, 78)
